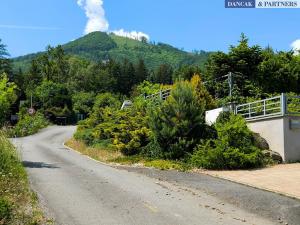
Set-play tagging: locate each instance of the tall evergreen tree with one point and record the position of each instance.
(141, 72)
(163, 74)
(5, 62)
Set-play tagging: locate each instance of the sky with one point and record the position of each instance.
(28, 26)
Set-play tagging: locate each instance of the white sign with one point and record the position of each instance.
(31, 111)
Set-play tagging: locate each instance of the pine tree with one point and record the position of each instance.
(5, 62)
(141, 72)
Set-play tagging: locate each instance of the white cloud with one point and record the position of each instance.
(132, 34)
(95, 13)
(296, 46)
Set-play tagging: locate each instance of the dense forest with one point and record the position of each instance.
(99, 46)
(67, 83)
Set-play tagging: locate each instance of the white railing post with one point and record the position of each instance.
(249, 110)
(264, 107)
(283, 104)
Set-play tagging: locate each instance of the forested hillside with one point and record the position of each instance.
(98, 46)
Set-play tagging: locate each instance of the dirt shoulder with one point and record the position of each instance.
(283, 179)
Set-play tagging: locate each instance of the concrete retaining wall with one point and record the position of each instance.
(282, 134)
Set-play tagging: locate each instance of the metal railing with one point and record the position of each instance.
(162, 95)
(271, 107)
(293, 105)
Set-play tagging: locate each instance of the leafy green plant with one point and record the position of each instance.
(29, 124)
(83, 102)
(126, 129)
(179, 123)
(5, 211)
(15, 195)
(152, 150)
(7, 97)
(234, 147)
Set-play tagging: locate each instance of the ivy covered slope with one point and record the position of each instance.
(101, 46)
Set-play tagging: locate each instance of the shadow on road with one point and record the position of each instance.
(29, 164)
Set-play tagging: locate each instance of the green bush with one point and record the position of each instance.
(84, 134)
(223, 117)
(233, 148)
(29, 124)
(152, 150)
(5, 211)
(11, 170)
(9, 160)
(7, 97)
(179, 123)
(126, 129)
(130, 142)
(17, 205)
(106, 100)
(83, 102)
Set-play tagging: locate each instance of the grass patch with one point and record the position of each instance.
(168, 165)
(18, 204)
(98, 152)
(106, 153)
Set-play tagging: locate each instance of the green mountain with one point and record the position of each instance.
(101, 46)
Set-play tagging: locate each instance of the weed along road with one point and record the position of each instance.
(74, 189)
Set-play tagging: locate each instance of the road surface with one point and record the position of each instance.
(74, 189)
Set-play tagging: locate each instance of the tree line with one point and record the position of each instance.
(56, 80)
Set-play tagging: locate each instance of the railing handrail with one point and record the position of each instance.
(265, 109)
(258, 101)
(162, 94)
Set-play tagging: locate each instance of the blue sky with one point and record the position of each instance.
(28, 26)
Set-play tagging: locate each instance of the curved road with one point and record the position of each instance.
(74, 189)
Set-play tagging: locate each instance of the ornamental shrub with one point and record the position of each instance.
(126, 129)
(29, 124)
(179, 123)
(232, 149)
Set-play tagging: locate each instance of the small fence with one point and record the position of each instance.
(162, 95)
(271, 107)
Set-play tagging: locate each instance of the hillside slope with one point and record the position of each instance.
(100, 46)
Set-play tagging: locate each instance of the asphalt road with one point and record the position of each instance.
(74, 189)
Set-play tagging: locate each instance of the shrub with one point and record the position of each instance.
(5, 211)
(130, 142)
(9, 160)
(106, 100)
(29, 124)
(179, 123)
(152, 150)
(7, 96)
(83, 102)
(202, 94)
(233, 148)
(223, 117)
(84, 134)
(127, 129)
(17, 205)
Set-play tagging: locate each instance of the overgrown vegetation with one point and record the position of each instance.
(7, 97)
(157, 133)
(65, 87)
(17, 203)
(233, 148)
(29, 124)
